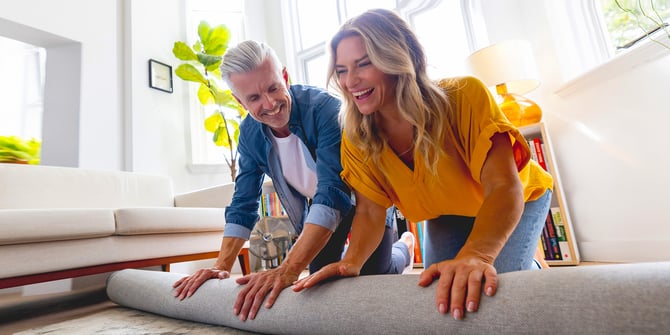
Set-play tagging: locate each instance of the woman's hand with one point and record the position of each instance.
(460, 284)
(185, 287)
(333, 270)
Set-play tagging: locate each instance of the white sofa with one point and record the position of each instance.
(60, 222)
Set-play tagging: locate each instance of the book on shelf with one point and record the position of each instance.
(270, 205)
(552, 240)
(566, 252)
(539, 153)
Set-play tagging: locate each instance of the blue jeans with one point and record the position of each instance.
(388, 258)
(446, 235)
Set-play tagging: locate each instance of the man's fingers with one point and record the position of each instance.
(259, 297)
(272, 297)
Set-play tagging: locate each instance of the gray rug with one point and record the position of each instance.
(124, 321)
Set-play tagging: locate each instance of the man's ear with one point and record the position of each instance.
(284, 74)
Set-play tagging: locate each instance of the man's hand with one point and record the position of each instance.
(460, 284)
(337, 269)
(185, 287)
(259, 285)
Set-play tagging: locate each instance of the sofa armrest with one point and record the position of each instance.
(217, 197)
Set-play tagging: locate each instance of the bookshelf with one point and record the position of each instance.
(558, 240)
(558, 225)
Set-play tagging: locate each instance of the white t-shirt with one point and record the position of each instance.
(295, 163)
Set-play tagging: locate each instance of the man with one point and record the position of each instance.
(292, 136)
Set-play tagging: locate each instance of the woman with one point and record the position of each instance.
(441, 152)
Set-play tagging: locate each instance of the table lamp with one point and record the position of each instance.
(509, 66)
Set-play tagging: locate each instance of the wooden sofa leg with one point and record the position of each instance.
(243, 258)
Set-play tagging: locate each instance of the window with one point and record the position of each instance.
(22, 87)
(587, 34)
(445, 52)
(628, 22)
(215, 12)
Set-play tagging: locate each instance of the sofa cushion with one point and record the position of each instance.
(40, 225)
(38, 186)
(138, 221)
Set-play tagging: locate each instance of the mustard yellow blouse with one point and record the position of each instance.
(456, 189)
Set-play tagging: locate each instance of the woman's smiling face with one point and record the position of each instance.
(371, 89)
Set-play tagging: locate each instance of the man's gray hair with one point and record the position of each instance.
(246, 57)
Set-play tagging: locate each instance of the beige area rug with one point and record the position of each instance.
(124, 321)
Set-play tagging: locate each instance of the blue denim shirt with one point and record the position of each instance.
(314, 120)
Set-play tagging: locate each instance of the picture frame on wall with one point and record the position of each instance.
(160, 76)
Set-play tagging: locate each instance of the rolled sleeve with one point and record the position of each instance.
(236, 230)
(324, 216)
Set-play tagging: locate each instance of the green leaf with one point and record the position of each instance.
(221, 137)
(183, 52)
(188, 72)
(217, 40)
(213, 121)
(197, 46)
(203, 31)
(205, 95)
(209, 60)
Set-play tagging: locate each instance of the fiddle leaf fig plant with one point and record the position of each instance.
(200, 64)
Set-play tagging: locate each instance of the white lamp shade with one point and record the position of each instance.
(509, 62)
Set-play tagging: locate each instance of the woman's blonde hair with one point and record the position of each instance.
(394, 49)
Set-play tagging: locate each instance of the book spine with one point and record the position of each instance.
(546, 245)
(533, 153)
(561, 234)
(537, 144)
(553, 240)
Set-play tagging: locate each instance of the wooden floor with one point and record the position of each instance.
(18, 314)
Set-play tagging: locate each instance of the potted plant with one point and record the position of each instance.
(200, 64)
(14, 149)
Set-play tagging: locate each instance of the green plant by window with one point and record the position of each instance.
(14, 149)
(629, 21)
(200, 64)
